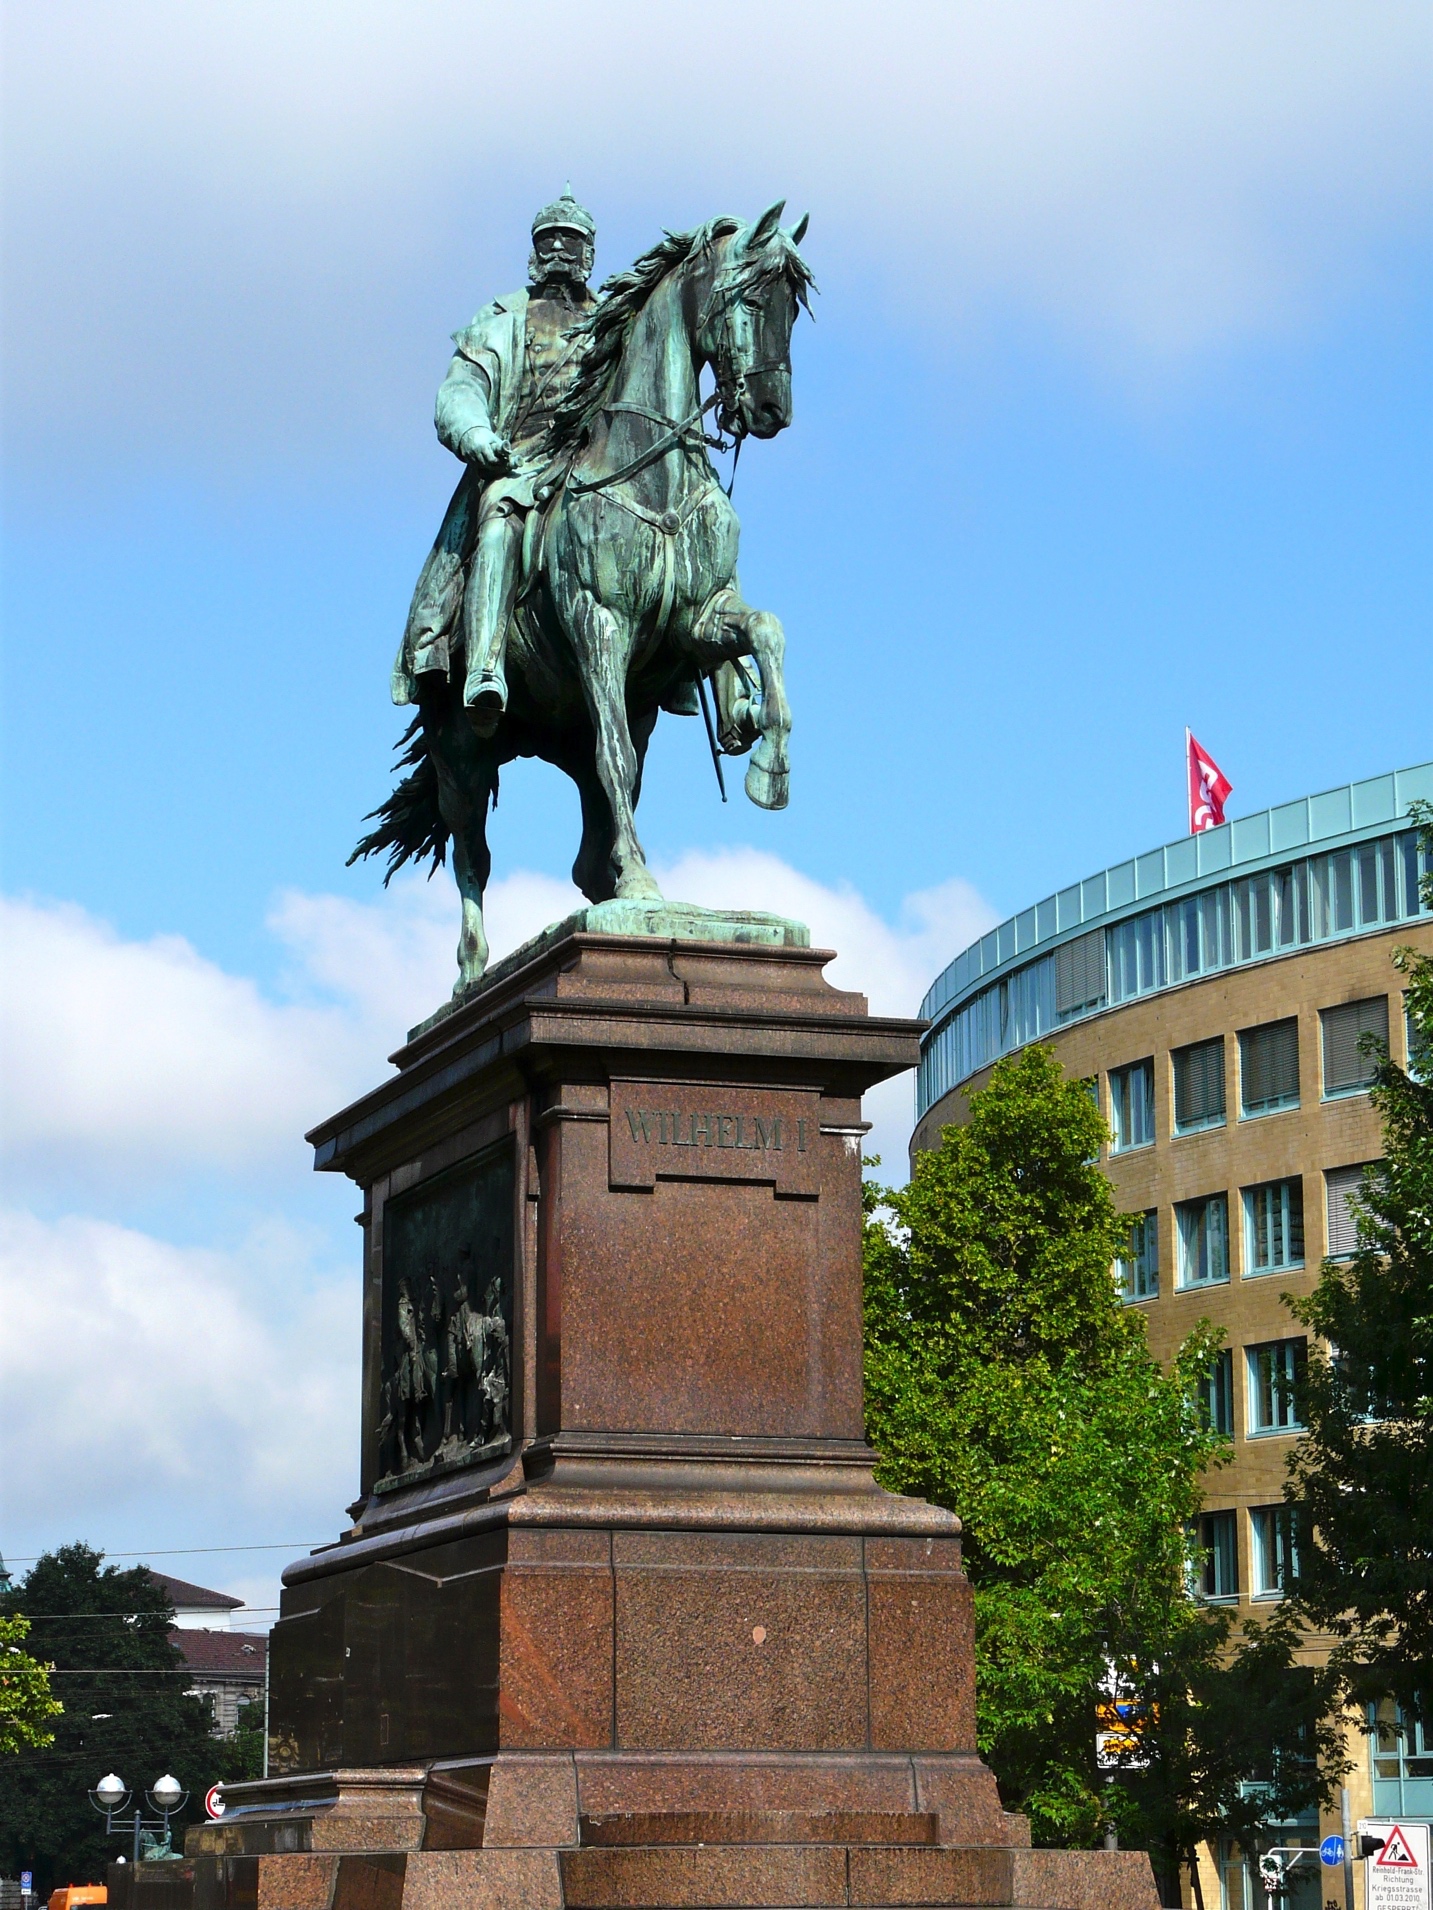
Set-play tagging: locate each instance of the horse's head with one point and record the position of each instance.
(761, 283)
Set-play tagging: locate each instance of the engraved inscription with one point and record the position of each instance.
(660, 1131)
(664, 1127)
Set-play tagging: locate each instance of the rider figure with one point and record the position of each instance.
(512, 368)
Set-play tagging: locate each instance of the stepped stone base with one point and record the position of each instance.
(664, 1641)
(586, 1831)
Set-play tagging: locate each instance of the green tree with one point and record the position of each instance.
(241, 1757)
(1006, 1380)
(1363, 1475)
(122, 1683)
(26, 1701)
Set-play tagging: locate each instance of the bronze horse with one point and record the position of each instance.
(630, 592)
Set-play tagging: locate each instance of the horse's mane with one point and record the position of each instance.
(625, 294)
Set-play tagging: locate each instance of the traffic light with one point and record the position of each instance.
(1368, 1845)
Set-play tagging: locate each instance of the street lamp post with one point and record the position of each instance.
(111, 1797)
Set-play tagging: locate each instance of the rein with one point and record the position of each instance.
(676, 435)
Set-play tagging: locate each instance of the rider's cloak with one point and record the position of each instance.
(480, 392)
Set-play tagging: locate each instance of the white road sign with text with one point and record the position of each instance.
(1398, 1875)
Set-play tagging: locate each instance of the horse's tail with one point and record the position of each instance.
(410, 824)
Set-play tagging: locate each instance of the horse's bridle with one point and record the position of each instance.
(686, 434)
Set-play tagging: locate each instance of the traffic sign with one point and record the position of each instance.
(27, 1881)
(1331, 1852)
(1397, 1873)
(214, 1801)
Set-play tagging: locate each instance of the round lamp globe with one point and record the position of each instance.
(110, 1791)
(167, 1793)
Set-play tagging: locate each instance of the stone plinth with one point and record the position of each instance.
(622, 1616)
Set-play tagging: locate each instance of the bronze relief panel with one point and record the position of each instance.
(445, 1391)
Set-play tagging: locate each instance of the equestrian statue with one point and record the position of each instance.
(584, 577)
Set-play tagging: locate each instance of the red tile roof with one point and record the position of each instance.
(224, 1654)
(181, 1592)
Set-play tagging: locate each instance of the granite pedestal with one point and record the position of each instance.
(628, 1621)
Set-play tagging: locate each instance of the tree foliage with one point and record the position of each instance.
(122, 1684)
(1006, 1380)
(26, 1701)
(1363, 1475)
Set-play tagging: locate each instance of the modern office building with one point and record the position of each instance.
(1213, 993)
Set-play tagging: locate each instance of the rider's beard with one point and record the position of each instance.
(558, 276)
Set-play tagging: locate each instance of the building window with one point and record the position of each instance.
(1275, 1371)
(1136, 956)
(1216, 1394)
(1347, 1070)
(1080, 974)
(1273, 1551)
(1410, 900)
(1419, 1046)
(1199, 1086)
(1402, 1749)
(1132, 1106)
(1342, 1185)
(1247, 919)
(1139, 1269)
(1274, 1226)
(1269, 1067)
(1203, 1227)
(1219, 1555)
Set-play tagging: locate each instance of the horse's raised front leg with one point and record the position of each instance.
(602, 645)
(728, 629)
(768, 774)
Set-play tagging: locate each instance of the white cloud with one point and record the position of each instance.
(147, 1052)
(288, 185)
(891, 966)
(139, 1376)
(394, 959)
(195, 1393)
(143, 1064)
(144, 1059)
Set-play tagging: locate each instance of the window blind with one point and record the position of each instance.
(1342, 1183)
(1080, 972)
(1269, 1063)
(1199, 1084)
(1345, 1069)
(1218, 1538)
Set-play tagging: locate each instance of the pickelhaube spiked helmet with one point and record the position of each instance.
(566, 212)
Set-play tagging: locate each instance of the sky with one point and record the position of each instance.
(1113, 417)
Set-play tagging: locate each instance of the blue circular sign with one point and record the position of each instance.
(1331, 1851)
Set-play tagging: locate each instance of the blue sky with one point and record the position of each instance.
(1114, 417)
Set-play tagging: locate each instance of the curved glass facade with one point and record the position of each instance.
(1107, 941)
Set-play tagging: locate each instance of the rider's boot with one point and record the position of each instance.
(487, 609)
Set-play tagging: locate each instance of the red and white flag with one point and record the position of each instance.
(1209, 788)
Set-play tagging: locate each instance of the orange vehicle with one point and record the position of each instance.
(71, 1894)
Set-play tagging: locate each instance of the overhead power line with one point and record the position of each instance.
(237, 1611)
(185, 1551)
(191, 1672)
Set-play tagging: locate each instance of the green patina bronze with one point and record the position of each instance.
(584, 577)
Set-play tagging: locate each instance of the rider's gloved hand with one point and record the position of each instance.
(487, 450)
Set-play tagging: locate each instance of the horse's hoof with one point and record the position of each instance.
(639, 885)
(768, 788)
